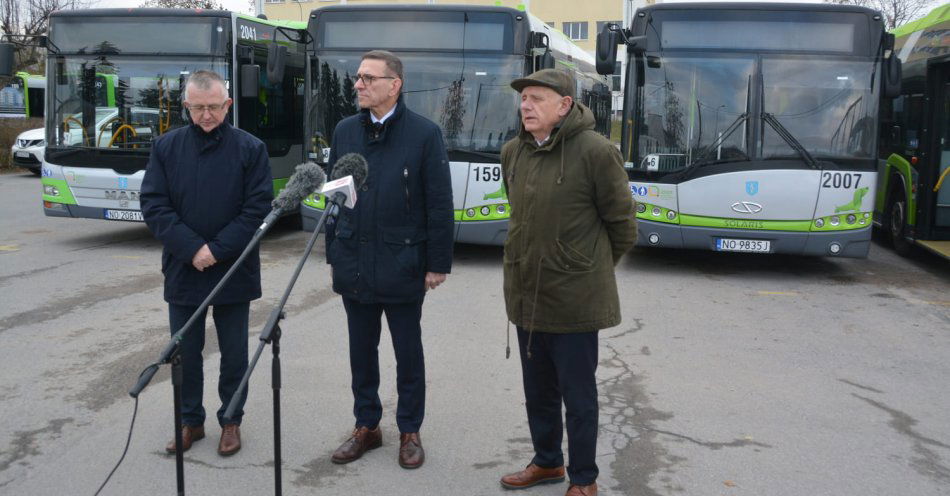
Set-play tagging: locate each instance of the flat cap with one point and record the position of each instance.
(559, 81)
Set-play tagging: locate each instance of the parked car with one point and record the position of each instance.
(28, 150)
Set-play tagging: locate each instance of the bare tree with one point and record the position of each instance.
(896, 12)
(27, 18)
(184, 4)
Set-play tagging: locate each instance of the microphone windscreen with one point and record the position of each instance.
(308, 178)
(351, 164)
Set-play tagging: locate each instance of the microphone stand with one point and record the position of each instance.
(171, 356)
(270, 334)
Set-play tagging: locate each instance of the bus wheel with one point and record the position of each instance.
(897, 223)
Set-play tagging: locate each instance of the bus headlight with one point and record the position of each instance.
(641, 208)
(819, 223)
(851, 218)
(470, 212)
(500, 209)
(835, 220)
(834, 248)
(50, 190)
(656, 211)
(671, 215)
(486, 210)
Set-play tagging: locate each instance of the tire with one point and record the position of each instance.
(896, 226)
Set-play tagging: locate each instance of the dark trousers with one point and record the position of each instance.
(364, 321)
(562, 369)
(231, 323)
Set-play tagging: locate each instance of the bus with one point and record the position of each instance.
(116, 78)
(23, 97)
(912, 205)
(458, 62)
(753, 127)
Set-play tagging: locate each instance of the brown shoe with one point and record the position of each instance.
(189, 434)
(362, 440)
(576, 490)
(230, 440)
(533, 475)
(411, 454)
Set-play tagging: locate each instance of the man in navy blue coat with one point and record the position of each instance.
(387, 251)
(206, 190)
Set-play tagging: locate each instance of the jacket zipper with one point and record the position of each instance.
(405, 183)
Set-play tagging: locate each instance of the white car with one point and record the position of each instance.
(28, 150)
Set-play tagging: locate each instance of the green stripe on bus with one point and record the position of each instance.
(65, 195)
(754, 225)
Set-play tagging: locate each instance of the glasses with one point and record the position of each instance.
(368, 79)
(214, 108)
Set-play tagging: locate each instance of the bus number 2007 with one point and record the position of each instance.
(840, 180)
(488, 173)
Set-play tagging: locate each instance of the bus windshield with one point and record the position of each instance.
(830, 106)
(467, 95)
(697, 110)
(118, 102)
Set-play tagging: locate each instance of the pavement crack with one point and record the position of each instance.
(928, 463)
(25, 443)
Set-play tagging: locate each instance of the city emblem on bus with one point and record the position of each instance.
(752, 187)
(123, 182)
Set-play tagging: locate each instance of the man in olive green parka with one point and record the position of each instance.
(572, 218)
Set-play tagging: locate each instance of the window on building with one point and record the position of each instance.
(576, 30)
(273, 1)
(600, 25)
(615, 79)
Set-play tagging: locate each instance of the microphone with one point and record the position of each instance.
(349, 173)
(308, 178)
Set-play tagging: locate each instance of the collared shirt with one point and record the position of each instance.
(387, 116)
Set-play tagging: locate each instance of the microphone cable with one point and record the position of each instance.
(128, 441)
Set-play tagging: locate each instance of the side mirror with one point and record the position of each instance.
(276, 61)
(7, 53)
(250, 80)
(892, 76)
(547, 60)
(606, 51)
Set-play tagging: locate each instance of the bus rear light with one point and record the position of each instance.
(654, 238)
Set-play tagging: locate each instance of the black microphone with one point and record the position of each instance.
(351, 164)
(309, 177)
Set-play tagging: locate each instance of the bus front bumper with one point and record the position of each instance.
(850, 243)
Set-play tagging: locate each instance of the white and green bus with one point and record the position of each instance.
(912, 204)
(753, 127)
(458, 62)
(115, 83)
(23, 96)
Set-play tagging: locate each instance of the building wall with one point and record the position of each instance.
(557, 12)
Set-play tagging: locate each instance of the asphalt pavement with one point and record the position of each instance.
(731, 374)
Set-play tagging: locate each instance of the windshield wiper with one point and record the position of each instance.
(700, 158)
(791, 140)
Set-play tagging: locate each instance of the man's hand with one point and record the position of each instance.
(433, 279)
(204, 259)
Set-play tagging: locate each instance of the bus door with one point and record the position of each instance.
(941, 173)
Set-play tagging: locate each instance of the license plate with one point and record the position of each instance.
(131, 215)
(23, 154)
(749, 245)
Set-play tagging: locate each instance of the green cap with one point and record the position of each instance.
(559, 81)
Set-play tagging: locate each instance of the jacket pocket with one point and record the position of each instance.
(571, 259)
(400, 262)
(343, 256)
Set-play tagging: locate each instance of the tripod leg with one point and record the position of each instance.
(275, 384)
(177, 379)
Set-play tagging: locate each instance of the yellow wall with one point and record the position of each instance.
(557, 11)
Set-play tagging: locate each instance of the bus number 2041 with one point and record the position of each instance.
(840, 180)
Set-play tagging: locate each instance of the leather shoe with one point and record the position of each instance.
(189, 434)
(230, 440)
(362, 440)
(533, 475)
(411, 454)
(576, 490)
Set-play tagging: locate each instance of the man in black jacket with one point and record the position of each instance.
(389, 250)
(206, 190)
